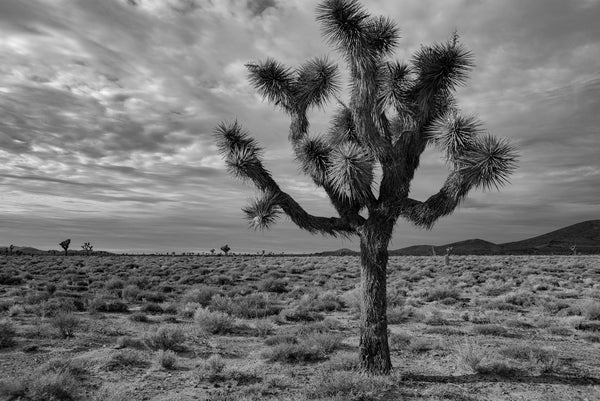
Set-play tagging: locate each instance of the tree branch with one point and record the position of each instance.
(243, 159)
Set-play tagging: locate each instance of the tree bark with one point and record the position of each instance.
(374, 350)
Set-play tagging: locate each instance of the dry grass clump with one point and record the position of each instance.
(470, 355)
(200, 295)
(591, 310)
(107, 304)
(166, 338)
(311, 348)
(124, 359)
(350, 386)
(66, 324)
(214, 322)
(491, 330)
(167, 359)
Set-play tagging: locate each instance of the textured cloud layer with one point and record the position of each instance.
(108, 107)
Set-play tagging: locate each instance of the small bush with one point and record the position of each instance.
(214, 322)
(438, 294)
(214, 366)
(166, 338)
(399, 341)
(167, 359)
(58, 386)
(491, 330)
(273, 285)
(125, 359)
(7, 334)
(591, 310)
(350, 386)
(66, 324)
(281, 339)
(299, 314)
(109, 305)
(131, 342)
(499, 368)
(263, 327)
(470, 355)
(200, 295)
(139, 317)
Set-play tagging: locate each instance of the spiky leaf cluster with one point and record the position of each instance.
(263, 211)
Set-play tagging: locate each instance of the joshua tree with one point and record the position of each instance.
(11, 248)
(87, 247)
(65, 245)
(212, 251)
(447, 257)
(395, 110)
(574, 249)
(225, 248)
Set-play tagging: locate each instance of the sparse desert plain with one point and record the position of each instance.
(286, 328)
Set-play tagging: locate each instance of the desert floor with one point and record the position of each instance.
(286, 328)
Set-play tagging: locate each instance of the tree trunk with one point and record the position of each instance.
(374, 350)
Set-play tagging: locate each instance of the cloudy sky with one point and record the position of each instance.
(107, 110)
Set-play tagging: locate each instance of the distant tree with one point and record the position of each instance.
(394, 112)
(447, 256)
(574, 249)
(11, 248)
(212, 251)
(65, 245)
(225, 248)
(88, 248)
(433, 250)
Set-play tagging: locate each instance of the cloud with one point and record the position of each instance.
(109, 107)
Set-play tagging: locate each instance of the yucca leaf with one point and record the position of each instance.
(263, 211)
(350, 172)
(272, 80)
(453, 133)
(316, 81)
(489, 163)
(342, 127)
(313, 155)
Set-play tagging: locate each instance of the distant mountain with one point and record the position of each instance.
(339, 252)
(585, 236)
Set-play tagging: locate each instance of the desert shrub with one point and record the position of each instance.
(281, 339)
(273, 285)
(7, 334)
(220, 279)
(300, 314)
(139, 317)
(438, 294)
(324, 302)
(131, 292)
(65, 323)
(253, 306)
(151, 296)
(294, 353)
(152, 308)
(166, 338)
(167, 359)
(312, 348)
(200, 295)
(591, 310)
(348, 386)
(75, 368)
(214, 366)
(115, 285)
(523, 299)
(214, 322)
(560, 331)
(55, 306)
(109, 305)
(469, 356)
(491, 330)
(55, 386)
(125, 359)
(263, 327)
(131, 342)
(188, 309)
(399, 341)
(593, 338)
